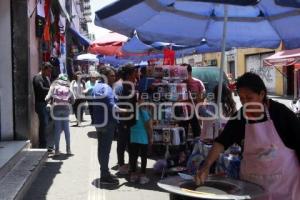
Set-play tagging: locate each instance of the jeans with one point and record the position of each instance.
(123, 142)
(50, 133)
(61, 125)
(105, 137)
(43, 115)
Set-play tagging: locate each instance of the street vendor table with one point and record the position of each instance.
(235, 189)
(228, 163)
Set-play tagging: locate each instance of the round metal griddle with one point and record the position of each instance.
(235, 189)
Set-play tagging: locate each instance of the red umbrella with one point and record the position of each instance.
(110, 45)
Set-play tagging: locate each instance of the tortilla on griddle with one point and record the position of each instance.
(211, 190)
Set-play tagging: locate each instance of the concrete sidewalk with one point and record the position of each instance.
(77, 176)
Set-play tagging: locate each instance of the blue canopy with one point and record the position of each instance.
(265, 24)
(82, 39)
(135, 45)
(288, 3)
(117, 61)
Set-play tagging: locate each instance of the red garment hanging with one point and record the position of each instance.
(169, 57)
(47, 20)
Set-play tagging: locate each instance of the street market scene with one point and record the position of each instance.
(150, 99)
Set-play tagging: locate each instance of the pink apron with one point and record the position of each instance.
(269, 163)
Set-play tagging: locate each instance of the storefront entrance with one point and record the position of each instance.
(290, 80)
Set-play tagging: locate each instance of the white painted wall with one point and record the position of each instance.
(6, 72)
(254, 63)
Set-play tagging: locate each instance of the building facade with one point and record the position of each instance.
(6, 80)
(239, 61)
(22, 52)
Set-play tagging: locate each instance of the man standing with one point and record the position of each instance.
(196, 90)
(103, 107)
(125, 92)
(41, 85)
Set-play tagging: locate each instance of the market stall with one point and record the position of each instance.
(287, 58)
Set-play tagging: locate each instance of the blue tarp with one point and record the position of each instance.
(82, 39)
(288, 3)
(189, 22)
(135, 45)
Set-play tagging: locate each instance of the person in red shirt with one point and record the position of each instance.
(196, 92)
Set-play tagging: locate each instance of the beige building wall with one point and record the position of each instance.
(239, 57)
(241, 66)
(208, 57)
(194, 60)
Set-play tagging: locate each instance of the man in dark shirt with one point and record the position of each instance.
(41, 85)
(123, 91)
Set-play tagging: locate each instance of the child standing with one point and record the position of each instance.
(140, 138)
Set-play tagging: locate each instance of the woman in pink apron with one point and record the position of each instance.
(269, 134)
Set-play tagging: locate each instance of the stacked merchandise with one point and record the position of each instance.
(168, 90)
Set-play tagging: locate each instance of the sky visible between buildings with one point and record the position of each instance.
(97, 5)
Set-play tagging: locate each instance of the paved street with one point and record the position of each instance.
(77, 176)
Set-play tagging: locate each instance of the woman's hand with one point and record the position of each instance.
(213, 155)
(201, 175)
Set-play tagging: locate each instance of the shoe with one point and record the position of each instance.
(69, 152)
(114, 176)
(144, 180)
(109, 180)
(123, 170)
(57, 153)
(50, 150)
(133, 178)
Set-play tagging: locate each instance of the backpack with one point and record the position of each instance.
(61, 94)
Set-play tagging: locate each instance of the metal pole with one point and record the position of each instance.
(295, 83)
(222, 64)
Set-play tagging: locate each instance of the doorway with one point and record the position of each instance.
(231, 69)
(290, 80)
